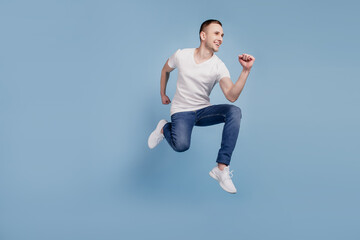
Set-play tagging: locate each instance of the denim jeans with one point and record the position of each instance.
(178, 132)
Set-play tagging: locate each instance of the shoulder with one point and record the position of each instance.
(185, 51)
(220, 65)
(217, 60)
(221, 68)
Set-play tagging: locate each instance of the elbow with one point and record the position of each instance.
(231, 97)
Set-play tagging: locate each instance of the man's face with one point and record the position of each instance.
(214, 36)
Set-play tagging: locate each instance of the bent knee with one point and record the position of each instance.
(235, 111)
(181, 147)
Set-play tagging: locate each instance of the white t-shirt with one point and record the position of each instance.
(195, 81)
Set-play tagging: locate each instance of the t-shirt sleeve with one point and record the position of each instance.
(222, 72)
(173, 60)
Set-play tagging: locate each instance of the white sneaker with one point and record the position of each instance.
(156, 136)
(224, 178)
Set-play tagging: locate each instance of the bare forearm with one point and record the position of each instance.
(239, 85)
(163, 82)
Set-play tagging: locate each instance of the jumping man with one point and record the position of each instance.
(199, 69)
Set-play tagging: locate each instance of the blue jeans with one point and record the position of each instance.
(178, 131)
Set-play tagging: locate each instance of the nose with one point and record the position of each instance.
(220, 39)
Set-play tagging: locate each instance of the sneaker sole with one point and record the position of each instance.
(213, 175)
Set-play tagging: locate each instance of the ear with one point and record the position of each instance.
(202, 35)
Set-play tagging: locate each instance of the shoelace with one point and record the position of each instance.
(229, 174)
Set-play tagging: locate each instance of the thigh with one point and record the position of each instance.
(212, 115)
(182, 124)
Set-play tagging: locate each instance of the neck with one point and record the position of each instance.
(202, 53)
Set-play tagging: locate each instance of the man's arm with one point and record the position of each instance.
(165, 74)
(232, 91)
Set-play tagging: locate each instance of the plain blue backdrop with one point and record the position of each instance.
(79, 95)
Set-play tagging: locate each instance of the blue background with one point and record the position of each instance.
(79, 95)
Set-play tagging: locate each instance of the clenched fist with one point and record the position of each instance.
(246, 61)
(165, 99)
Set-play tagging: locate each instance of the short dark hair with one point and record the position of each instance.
(207, 23)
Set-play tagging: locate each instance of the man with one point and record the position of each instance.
(198, 71)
